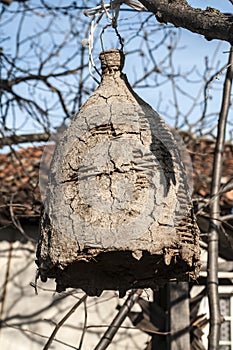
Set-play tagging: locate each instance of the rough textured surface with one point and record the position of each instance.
(117, 213)
(210, 22)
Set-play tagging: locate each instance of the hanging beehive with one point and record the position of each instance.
(118, 212)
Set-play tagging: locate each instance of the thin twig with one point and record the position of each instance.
(24, 330)
(212, 281)
(4, 292)
(84, 326)
(63, 320)
(225, 188)
(118, 320)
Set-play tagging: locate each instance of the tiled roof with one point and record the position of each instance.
(202, 156)
(19, 190)
(19, 178)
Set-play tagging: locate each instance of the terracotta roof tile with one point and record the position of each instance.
(19, 190)
(202, 155)
(19, 177)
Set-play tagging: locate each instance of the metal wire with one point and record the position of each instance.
(111, 11)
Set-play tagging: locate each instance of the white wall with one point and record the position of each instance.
(31, 318)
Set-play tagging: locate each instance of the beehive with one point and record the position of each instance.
(118, 212)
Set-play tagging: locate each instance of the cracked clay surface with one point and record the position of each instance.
(118, 184)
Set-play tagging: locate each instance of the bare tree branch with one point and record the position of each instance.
(84, 325)
(29, 331)
(118, 320)
(16, 139)
(63, 320)
(4, 291)
(215, 317)
(211, 23)
(9, 2)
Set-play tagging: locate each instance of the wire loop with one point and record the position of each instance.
(111, 11)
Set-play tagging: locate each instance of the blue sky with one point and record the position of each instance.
(191, 51)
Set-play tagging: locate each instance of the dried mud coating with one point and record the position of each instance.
(118, 213)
